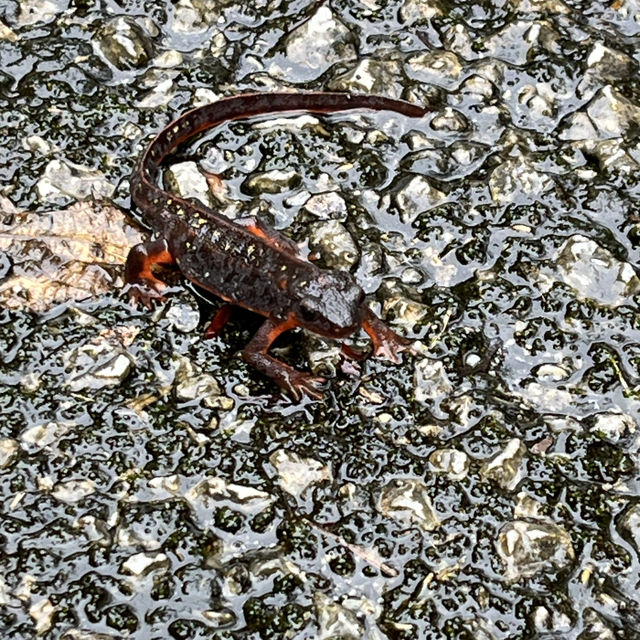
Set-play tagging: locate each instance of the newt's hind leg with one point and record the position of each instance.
(145, 287)
(291, 380)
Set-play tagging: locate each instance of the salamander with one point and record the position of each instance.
(244, 261)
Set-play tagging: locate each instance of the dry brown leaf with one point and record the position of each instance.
(68, 254)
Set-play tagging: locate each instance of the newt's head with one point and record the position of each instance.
(331, 304)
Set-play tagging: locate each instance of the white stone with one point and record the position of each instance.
(73, 491)
(74, 181)
(430, 380)
(416, 197)
(142, 563)
(297, 474)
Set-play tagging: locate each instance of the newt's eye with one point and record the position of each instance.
(307, 314)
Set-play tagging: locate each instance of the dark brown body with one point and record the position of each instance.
(245, 262)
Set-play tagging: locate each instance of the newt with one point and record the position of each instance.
(244, 261)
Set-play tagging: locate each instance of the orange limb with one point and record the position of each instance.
(386, 342)
(145, 287)
(291, 380)
(219, 320)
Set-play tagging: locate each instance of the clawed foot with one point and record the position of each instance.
(144, 295)
(299, 383)
(386, 342)
(390, 346)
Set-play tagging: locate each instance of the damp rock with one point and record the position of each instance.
(631, 522)
(457, 39)
(124, 43)
(410, 275)
(613, 426)
(527, 549)
(73, 490)
(516, 180)
(297, 474)
(169, 484)
(81, 634)
(327, 206)
(38, 144)
(275, 181)
(336, 621)
(550, 7)
(440, 68)
(66, 179)
(143, 563)
(381, 77)
(454, 463)
(592, 272)
(417, 197)
(183, 317)
(7, 33)
(546, 621)
(578, 126)
(419, 11)
(192, 386)
(42, 435)
(8, 449)
(547, 398)
(187, 19)
(408, 500)
(539, 101)
(612, 114)
(506, 468)
(513, 42)
(596, 626)
(195, 16)
(168, 59)
(335, 244)
(314, 47)
(443, 272)
(186, 180)
(612, 156)
(605, 65)
(478, 88)
(449, 120)
(561, 424)
(95, 366)
(219, 619)
(137, 534)
(407, 313)
(34, 11)
(550, 372)
(528, 508)
(430, 380)
(159, 96)
(325, 357)
(209, 494)
(42, 614)
(94, 530)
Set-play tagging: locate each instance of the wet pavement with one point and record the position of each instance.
(487, 487)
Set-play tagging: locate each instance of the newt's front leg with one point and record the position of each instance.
(137, 270)
(385, 341)
(293, 381)
(272, 237)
